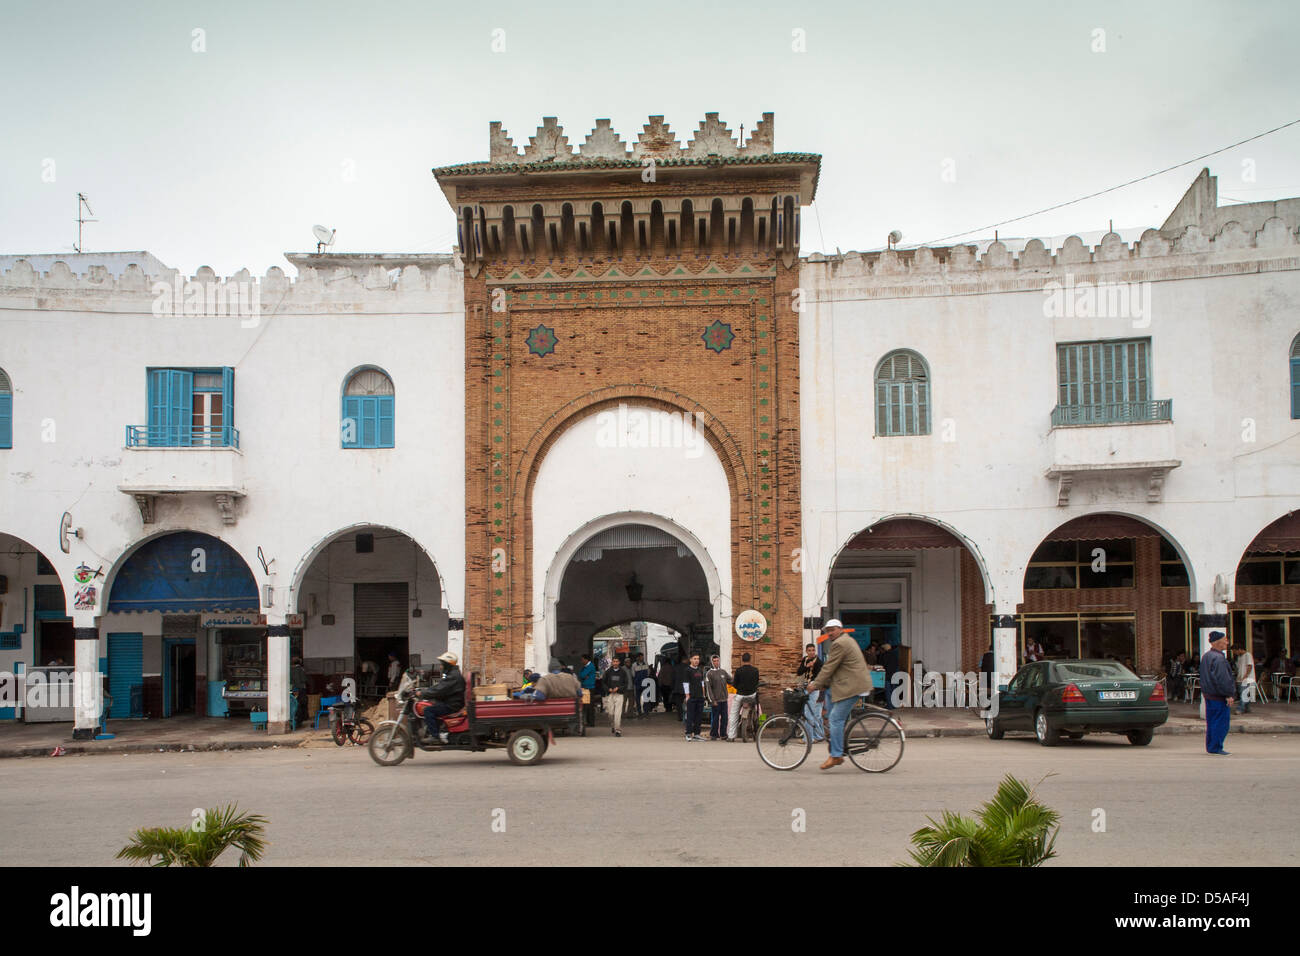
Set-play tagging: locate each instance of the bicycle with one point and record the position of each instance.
(872, 740)
(345, 725)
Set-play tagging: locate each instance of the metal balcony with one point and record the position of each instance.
(145, 436)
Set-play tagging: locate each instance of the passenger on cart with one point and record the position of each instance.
(555, 685)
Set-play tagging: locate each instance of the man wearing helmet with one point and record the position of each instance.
(447, 694)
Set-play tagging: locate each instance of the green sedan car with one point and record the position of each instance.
(1077, 697)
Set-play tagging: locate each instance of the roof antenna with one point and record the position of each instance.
(742, 135)
(81, 219)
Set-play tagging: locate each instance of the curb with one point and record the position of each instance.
(1163, 730)
(205, 747)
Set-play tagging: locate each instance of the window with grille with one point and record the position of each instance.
(1107, 382)
(902, 395)
(368, 418)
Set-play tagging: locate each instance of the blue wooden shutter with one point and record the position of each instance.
(171, 395)
(1295, 387)
(125, 672)
(227, 407)
(384, 411)
(369, 422)
(352, 414)
(7, 418)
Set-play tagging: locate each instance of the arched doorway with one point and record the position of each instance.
(35, 626)
(182, 630)
(631, 567)
(1264, 618)
(1108, 586)
(918, 585)
(365, 592)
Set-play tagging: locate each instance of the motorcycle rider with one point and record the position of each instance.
(447, 694)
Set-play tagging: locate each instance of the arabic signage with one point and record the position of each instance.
(233, 619)
(751, 625)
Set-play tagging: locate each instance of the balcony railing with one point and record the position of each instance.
(143, 436)
(1114, 413)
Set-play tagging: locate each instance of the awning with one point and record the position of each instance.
(904, 534)
(184, 572)
(1102, 527)
(1282, 535)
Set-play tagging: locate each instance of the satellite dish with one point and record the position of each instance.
(895, 237)
(324, 237)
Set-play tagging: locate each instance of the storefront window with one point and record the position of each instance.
(1175, 628)
(1059, 638)
(1069, 565)
(1116, 639)
(1173, 573)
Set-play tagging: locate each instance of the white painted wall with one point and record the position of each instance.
(1220, 324)
(76, 352)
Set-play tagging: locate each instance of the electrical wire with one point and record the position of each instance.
(1110, 189)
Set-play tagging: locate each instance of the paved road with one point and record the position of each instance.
(658, 800)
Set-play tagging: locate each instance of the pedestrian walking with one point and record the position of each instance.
(642, 695)
(618, 684)
(846, 676)
(1247, 686)
(1217, 687)
(746, 683)
(716, 680)
(394, 671)
(809, 668)
(667, 681)
(692, 686)
(587, 678)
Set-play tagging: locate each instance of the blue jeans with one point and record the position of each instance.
(1216, 724)
(812, 712)
(432, 713)
(718, 720)
(839, 717)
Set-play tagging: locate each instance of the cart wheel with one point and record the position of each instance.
(525, 747)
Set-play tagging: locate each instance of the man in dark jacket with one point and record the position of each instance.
(447, 694)
(618, 686)
(691, 681)
(746, 684)
(1217, 687)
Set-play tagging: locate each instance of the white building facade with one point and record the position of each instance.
(190, 500)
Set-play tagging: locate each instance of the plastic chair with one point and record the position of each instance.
(325, 704)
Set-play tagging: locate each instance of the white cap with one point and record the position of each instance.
(833, 622)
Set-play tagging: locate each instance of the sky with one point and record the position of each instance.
(218, 134)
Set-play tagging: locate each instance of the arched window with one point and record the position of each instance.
(6, 411)
(1295, 377)
(368, 409)
(902, 395)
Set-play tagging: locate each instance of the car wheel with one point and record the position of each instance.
(993, 728)
(1140, 738)
(1047, 734)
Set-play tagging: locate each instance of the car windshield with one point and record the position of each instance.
(1093, 670)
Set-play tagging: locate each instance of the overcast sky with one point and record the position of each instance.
(334, 113)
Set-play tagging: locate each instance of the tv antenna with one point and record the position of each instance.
(324, 238)
(81, 219)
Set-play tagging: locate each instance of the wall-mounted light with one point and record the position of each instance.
(634, 589)
(267, 593)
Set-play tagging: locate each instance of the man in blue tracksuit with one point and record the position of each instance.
(1217, 687)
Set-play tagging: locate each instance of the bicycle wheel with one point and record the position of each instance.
(361, 731)
(783, 743)
(874, 743)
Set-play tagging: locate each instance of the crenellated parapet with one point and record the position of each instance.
(656, 139)
(363, 288)
(944, 270)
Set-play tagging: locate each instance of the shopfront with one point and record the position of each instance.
(237, 661)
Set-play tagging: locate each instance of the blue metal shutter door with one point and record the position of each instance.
(126, 674)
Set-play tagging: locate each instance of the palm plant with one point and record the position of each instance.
(202, 843)
(1012, 829)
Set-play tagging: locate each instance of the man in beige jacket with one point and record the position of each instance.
(848, 677)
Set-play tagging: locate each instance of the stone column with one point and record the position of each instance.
(87, 681)
(1005, 638)
(277, 674)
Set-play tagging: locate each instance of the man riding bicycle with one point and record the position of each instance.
(745, 681)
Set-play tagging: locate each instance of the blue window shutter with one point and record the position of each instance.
(158, 416)
(351, 422)
(227, 406)
(180, 401)
(7, 419)
(369, 421)
(1295, 387)
(385, 412)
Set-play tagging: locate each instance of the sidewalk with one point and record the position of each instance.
(217, 733)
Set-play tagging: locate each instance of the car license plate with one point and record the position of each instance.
(1117, 694)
